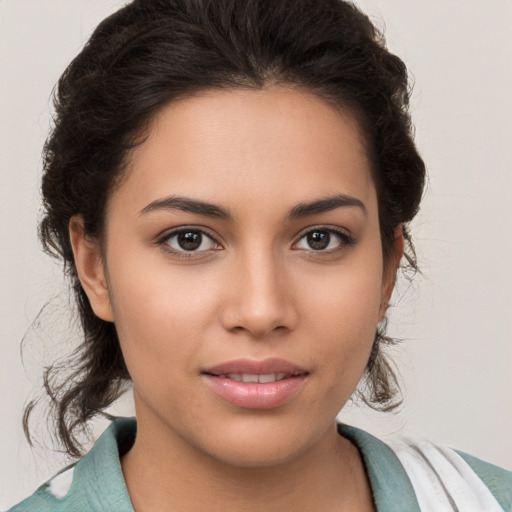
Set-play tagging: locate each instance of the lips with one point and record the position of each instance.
(262, 379)
(256, 384)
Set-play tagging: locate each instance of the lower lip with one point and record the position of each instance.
(255, 395)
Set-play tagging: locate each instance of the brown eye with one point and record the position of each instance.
(318, 240)
(189, 240)
(323, 240)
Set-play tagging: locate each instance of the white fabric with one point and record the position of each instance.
(441, 478)
(60, 484)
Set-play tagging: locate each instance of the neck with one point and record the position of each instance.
(163, 472)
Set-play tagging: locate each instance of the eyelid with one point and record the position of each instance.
(168, 234)
(344, 236)
(346, 239)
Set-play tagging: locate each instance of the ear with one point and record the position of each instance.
(390, 269)
(90, 268)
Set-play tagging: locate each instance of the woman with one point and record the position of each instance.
(229, 185)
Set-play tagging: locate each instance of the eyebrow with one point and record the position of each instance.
(187, 205)
(325, 205)
(211, 210)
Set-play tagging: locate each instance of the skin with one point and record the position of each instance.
(255, 289)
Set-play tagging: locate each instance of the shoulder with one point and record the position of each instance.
(498, 480)
(441, 474)
(95, 483)
(429, 476)
(48, 496)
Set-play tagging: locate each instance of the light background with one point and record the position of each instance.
(456, 358)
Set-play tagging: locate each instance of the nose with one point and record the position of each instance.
(260, 299)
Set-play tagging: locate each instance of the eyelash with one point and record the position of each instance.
(343, 238)
(163, 242)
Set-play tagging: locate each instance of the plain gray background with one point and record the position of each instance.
(455, 320)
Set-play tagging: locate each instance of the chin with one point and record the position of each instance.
(261, 444)
(257, 456)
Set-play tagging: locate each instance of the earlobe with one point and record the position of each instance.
(391, 268)
(90, 269)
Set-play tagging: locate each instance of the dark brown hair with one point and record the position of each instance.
(153, 51)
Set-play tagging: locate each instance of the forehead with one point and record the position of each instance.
(252, 145)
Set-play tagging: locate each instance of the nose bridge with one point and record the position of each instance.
(260, 299)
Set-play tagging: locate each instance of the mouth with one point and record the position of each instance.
(278, 369)
(253, 377)
(253, 384)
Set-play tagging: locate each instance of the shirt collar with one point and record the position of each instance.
(391, 487)
(98, 479)
(99, 482)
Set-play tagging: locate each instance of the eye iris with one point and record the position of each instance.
(190, 240)
(318, 239)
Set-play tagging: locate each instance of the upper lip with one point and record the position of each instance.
(256, 367)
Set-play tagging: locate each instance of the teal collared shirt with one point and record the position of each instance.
(97, 482)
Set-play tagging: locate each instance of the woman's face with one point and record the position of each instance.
(243, 245)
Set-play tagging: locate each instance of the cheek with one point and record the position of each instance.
(160, 315)
(343, 312)
(347, 300)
